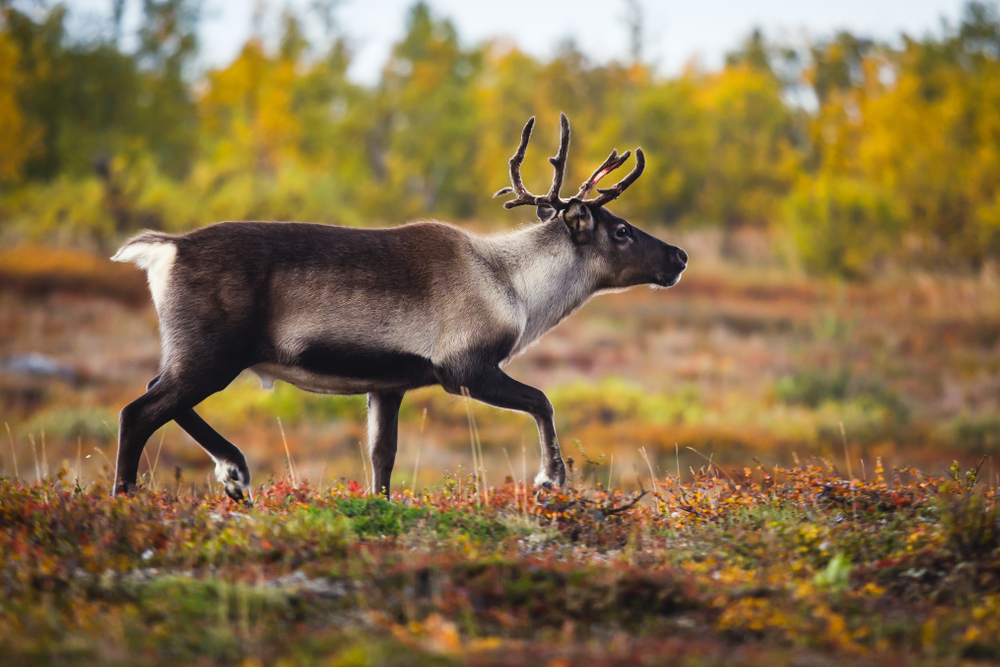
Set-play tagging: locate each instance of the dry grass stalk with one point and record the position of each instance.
(416, 464)
(850, 474)
(524, 476)
(611, 471)
(111, 468)
(517, 489)
(13, 451)
(79, 459)
(288, 454)
(649, 464)
(713, 464)
(106, 460)
(156, 461)
(364, 467)
(479, 468)
(45, 458)
(34, 455)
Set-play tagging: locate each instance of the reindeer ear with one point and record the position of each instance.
(545, 212)
(580, 221)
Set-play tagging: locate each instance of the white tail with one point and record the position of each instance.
(155, 255)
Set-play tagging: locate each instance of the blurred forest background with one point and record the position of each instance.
(840, 202)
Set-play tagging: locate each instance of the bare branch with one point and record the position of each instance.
(617, 510)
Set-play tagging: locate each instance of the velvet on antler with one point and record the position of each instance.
(552, 198)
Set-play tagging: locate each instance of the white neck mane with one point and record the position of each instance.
(546, 274)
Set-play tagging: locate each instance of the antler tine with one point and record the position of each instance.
(608, 166)
(618, 188)
(559, 161)
(523, 197)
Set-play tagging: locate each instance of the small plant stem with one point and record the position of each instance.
(98, 450)
(45, 458)
(847, 455)
(991, 474)
(524, 477)
(472, 438)
(420, 442)
(149, 465)
(156, 461)
(712, 464)
(288, 454)
(850, 474)
(34, 455)
(482, 461)
(611, 471)
(652, 477)
(513, 477)
(677, 454)
(79, 459)
(416, 463)
(364, 466)
(13, 451)
(477, 449)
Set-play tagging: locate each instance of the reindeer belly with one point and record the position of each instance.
(326, 369)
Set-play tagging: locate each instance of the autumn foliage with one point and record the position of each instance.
(753, 565)
(851, 152)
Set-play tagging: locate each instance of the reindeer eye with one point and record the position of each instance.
(621, 233)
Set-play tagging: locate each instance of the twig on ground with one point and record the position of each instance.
(608, 511)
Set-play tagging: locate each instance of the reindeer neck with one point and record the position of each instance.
(546, 273)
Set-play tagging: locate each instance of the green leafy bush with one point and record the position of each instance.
(839, 225)
(977, 433)
(813, 387)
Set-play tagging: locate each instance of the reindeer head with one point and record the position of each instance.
(620, 254)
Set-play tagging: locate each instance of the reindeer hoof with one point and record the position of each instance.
(551, 481)
(127, 488)
(236, 493)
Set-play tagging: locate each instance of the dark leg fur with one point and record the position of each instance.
(499, 389)
(168, 397)
(217, 446)
(383, 430)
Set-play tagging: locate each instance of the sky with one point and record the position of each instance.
(674, 31)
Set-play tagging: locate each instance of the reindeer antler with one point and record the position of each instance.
(523, 197)
(615, 191)
(609, 165)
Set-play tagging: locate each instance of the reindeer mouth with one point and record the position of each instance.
(663, 280)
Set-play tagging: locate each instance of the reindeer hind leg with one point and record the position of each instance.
(230, 464)
(172, 394)
(383, 431)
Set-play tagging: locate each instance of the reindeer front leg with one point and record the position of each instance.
(499, 389)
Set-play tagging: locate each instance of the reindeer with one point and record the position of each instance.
(339, 310)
